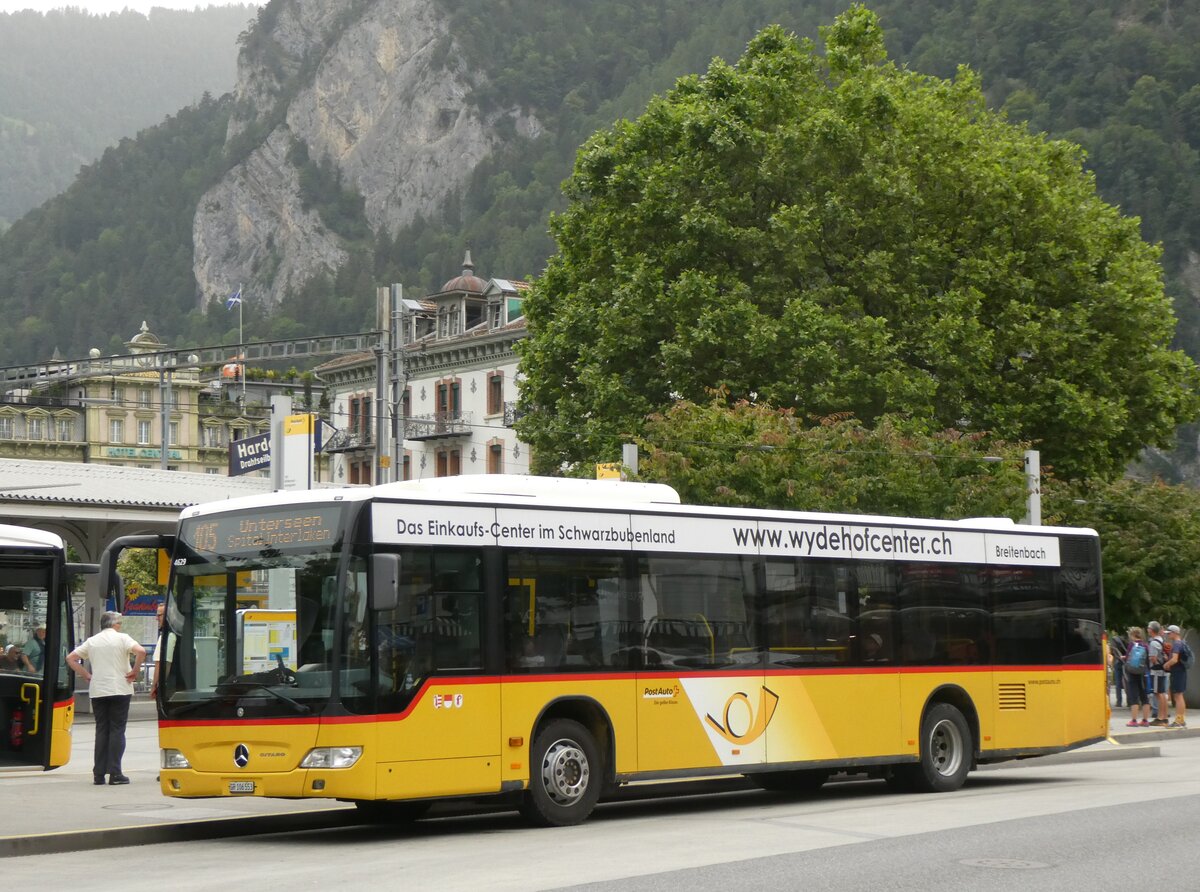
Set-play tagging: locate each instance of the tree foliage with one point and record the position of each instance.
(1150, 543)
(753, 455)
(839, 234)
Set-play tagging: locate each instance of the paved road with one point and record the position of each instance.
(1037, 826)
(61, 810)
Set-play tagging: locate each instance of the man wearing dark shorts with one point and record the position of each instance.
(1177, 669)
(1158, 675)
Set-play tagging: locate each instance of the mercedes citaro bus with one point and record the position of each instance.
(555, 639)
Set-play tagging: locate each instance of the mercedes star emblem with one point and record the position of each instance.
(241, 755)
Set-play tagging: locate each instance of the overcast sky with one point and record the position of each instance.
(101, 6)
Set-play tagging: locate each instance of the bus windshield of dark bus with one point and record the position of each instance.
(251, 613)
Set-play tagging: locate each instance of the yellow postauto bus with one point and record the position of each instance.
(554, 639)
(37, 701)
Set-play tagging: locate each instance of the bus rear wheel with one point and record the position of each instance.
(946, 753)
(801, 781)
(565, 775)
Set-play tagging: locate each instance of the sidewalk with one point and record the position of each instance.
(62, 810)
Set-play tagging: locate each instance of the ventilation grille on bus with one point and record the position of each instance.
(1012, 696)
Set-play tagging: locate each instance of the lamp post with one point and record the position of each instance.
(164, 393)
(166, 368)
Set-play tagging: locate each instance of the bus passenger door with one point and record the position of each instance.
(36, 686)
(702, 700)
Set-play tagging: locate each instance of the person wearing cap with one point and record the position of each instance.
(1176, 668)
(35, 648)
(14, 660)
(110, 690)
(1158, 675)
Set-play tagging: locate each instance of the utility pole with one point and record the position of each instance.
(383, 355)
(399, 333)
(1033, 487)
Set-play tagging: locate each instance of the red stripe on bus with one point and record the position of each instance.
(444, 682)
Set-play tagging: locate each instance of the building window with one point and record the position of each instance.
(212, 436)
(143, 432)
(143, 398)
(65, 430)
(495, 457)
(6, 428)
(449, 463)
(406, 466)
(212, 471)
(495, 393)
(406, 403)
(116, 430)
(360, 415)
(34, 429)
(173, 433)
(449, 400)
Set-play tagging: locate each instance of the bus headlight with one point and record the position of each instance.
(331, 757)
(173, 759)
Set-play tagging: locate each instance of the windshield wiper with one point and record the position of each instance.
(239, 686)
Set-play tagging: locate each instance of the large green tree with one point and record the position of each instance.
(751, 454)
(840, 234)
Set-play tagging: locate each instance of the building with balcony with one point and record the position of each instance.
(455, 374)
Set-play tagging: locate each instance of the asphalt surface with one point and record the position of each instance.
(62, 810)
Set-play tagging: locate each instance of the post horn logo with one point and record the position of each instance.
(759, 718)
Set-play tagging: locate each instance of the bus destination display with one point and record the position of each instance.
(258, 530)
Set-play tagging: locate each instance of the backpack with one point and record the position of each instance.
(1138, 658)
(1187, 657)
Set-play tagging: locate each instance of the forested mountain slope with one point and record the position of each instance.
(368, 141)
(73, 83)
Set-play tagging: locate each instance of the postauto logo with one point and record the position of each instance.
(734, 725)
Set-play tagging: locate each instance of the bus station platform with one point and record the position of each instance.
(62, 810)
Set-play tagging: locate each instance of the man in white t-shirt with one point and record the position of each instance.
(110, 690)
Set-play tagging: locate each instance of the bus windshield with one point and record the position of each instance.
(252, 614)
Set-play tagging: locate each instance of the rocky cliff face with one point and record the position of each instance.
(379, 89)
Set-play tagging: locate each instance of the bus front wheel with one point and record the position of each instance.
(565, 775)
(946, 753)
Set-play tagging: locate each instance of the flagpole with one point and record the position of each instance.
(242, 348)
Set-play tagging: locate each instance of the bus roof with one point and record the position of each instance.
(512, 490)
(25, 537)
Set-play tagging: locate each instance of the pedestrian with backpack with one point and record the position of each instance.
(1137, 667)
(1158, 675)
(1177, 667)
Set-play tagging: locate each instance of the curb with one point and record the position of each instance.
(1114, 752)
(185, 831)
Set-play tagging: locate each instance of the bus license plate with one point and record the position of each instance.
(241, 786)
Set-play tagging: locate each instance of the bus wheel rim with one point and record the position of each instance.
(565, 772)
(946, 748)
